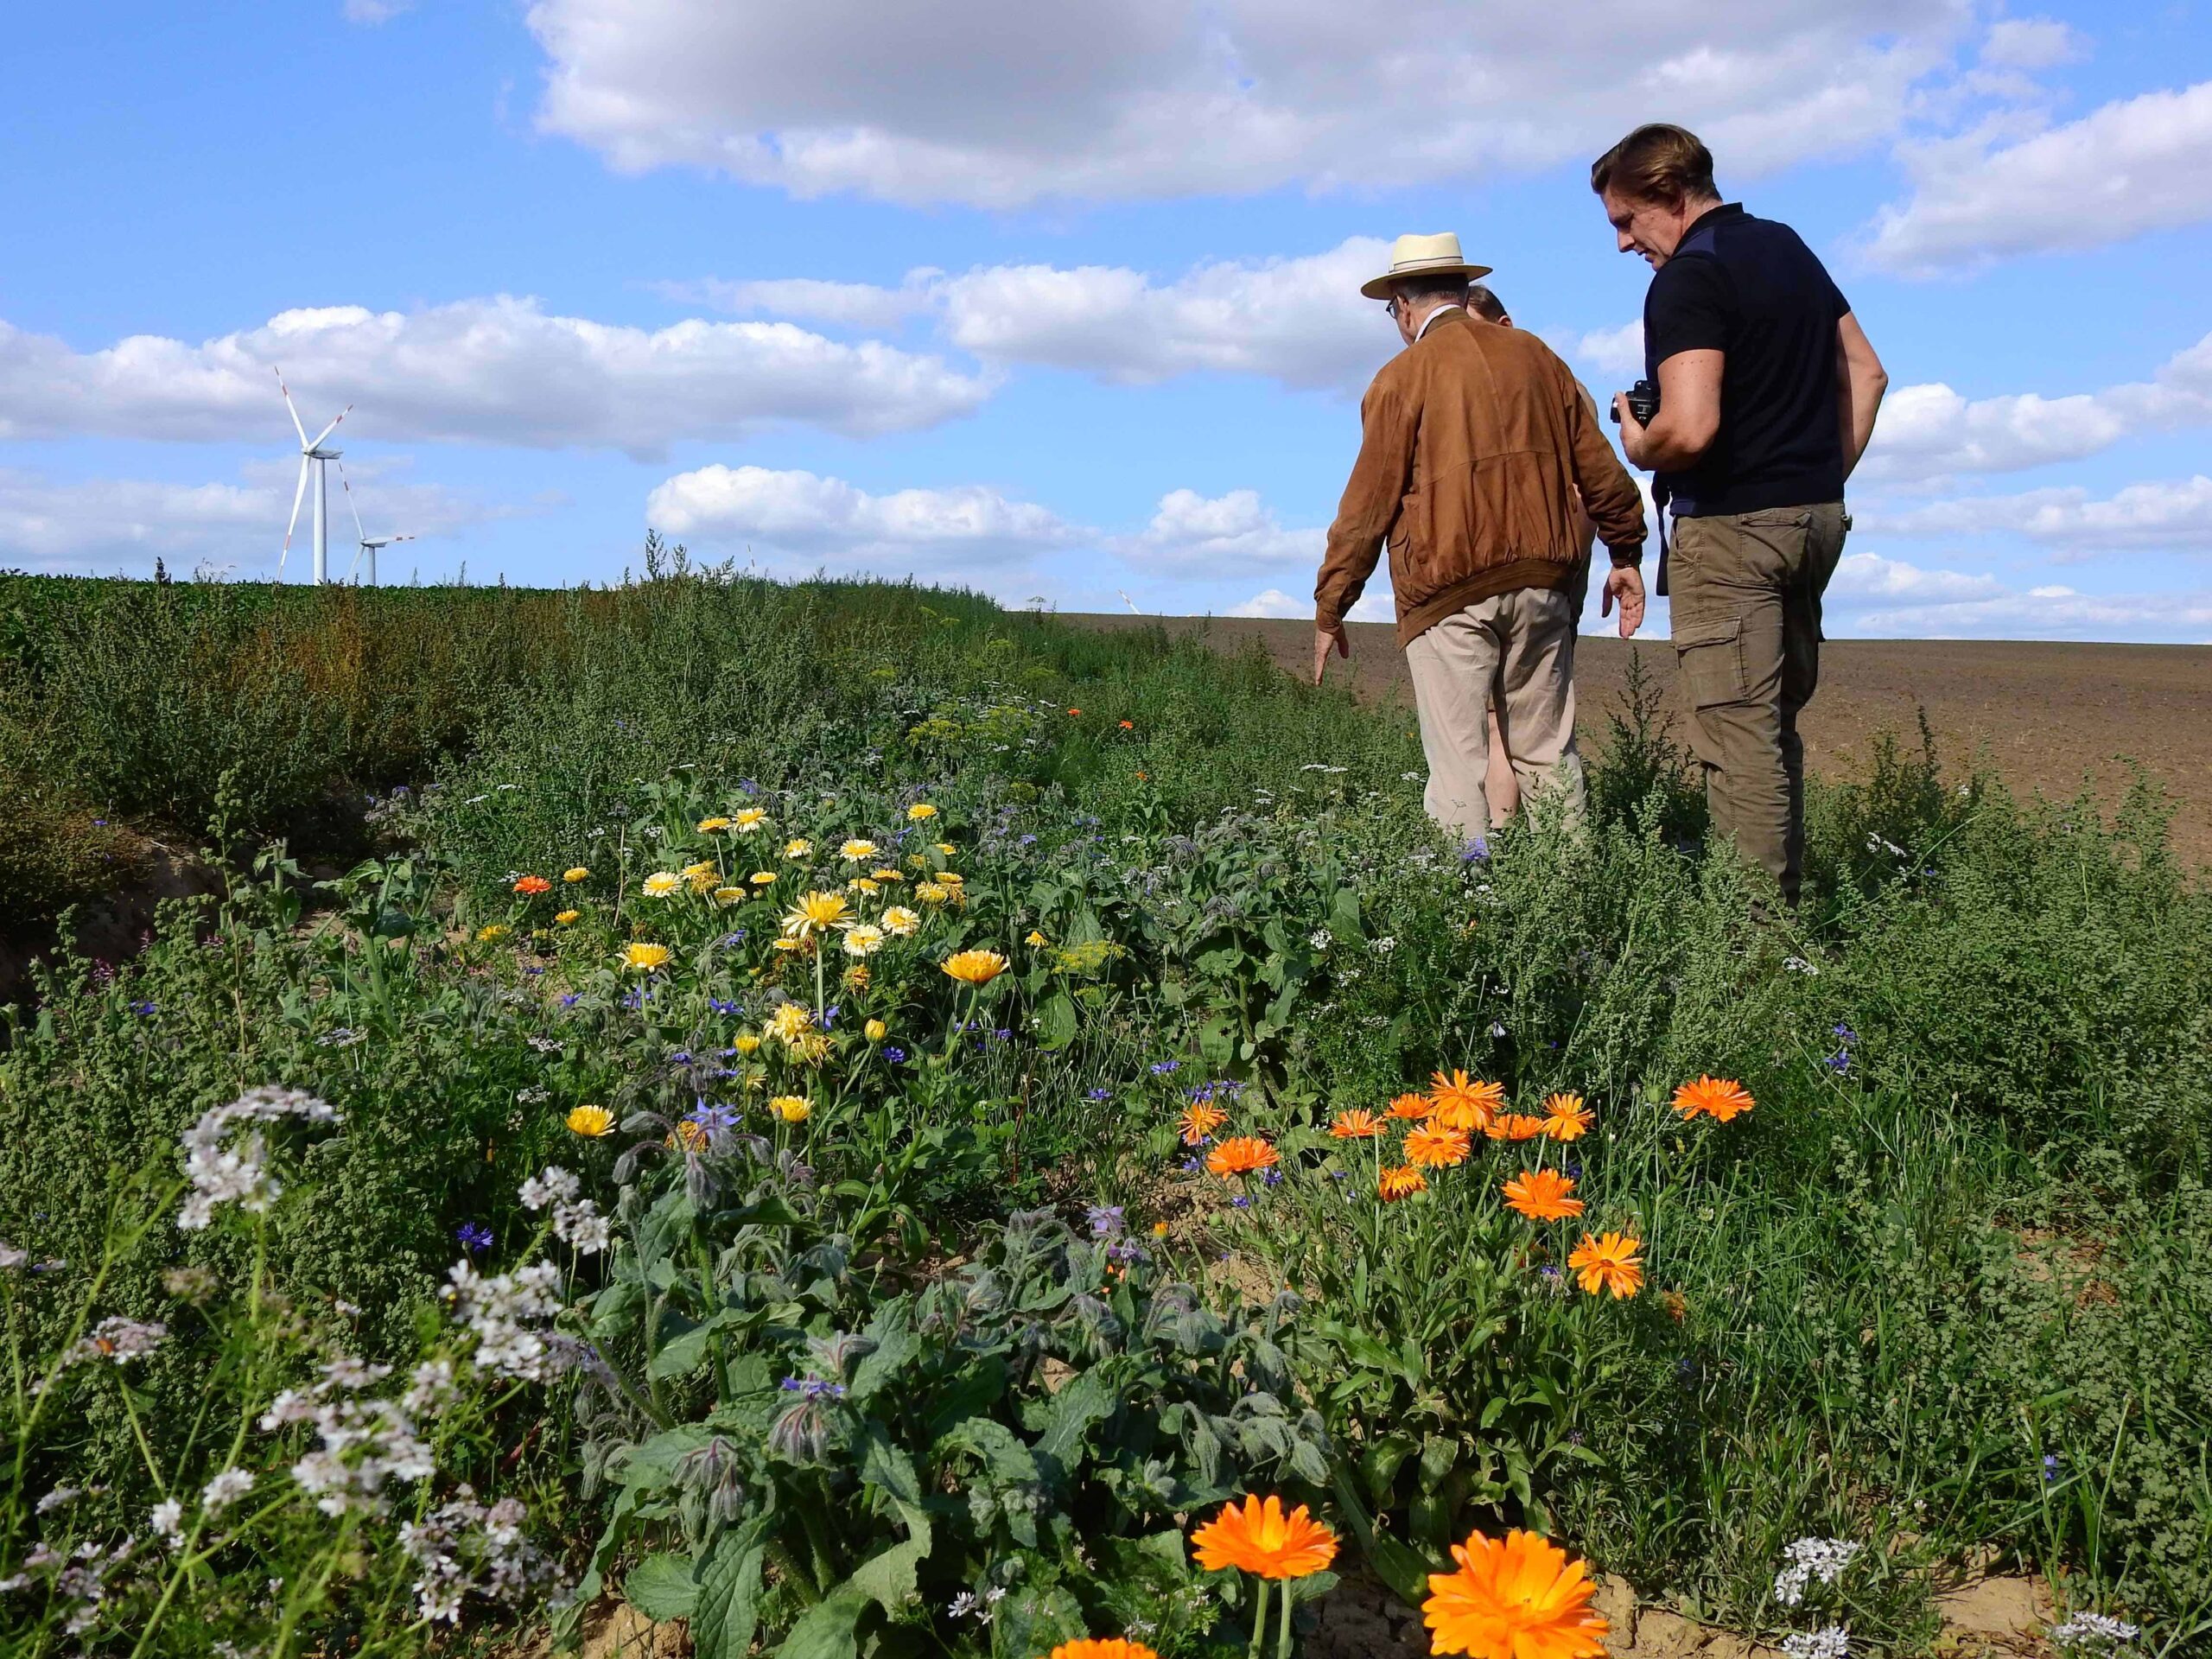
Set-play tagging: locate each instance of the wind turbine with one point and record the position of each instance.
(312, 455)
(368, 544)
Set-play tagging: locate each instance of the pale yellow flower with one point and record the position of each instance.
(900, 920)
(863, 939)
(950, 878)
(811, 1049)
(567, 916)
(798, 847)
(1036, 939)
(920, 811)
(932, 892)
(496, 930)
(701, 876)
(888, 875)
(875, 1031)
(579, 874)
(815, 913)
(644, 959)
(747, 1044)
(947, 849)
(764, 878)
(748, 819)
(790, 1022)
(661, 883)
(787, 944)
(856, 850)
(709, 826)
(728, 896)
(863, 884)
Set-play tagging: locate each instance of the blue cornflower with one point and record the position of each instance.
(1843, 1034)
(893, 1053)
(1190, 1165)
(1027, 841)
(1574, 1169)
(1273, 1178)
(143, 1008)
(474, 1236)
(720, 1006)
(830, 1017)
(1163, 1067)
(2051, 1468)
(1241, 1201)
(569, 999)
(1839, 1062)
(1099, 1094)
(729, 940)
(531, 970)
(1475, 851)
(681, 1056)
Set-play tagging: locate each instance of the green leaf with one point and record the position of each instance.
(891, 1579)
(681, 1354)
(661, 1588)
(728, 1606)
(1056, 1021)
(1001, 1450)
(1084, 1401)
(830, 1629)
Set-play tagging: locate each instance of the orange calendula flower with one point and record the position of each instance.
(531, 885)
(975, 967)
(1565, 1116)
(1400, 1181)
(1241, 1155)
(1261, 1539)
(1716, 1097)
(1434, 1147)
(1459, 1103)
(1412, 1108)
(1608, 1262)
(1517, 1126)
(1200, 1121)
(1542, 1195)
(1128, 725)
(1105, 1647)
(1356, 1125)
(1518, 1599)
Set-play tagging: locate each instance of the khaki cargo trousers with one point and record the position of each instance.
(1516, 649)
(1745, 589)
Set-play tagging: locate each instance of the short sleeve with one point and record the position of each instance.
(1838, 308)
(1687, 310)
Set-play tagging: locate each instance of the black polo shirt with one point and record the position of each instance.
(1751, 288)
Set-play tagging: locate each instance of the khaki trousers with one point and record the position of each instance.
(1746, 593)
(1516, 649)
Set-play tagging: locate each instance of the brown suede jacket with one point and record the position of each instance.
(1474, 440)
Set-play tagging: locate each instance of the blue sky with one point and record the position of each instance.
(1059, 305)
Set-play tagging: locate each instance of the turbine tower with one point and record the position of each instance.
(366, 544)
(312, 455)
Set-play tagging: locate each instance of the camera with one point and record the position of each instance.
(1643, 403)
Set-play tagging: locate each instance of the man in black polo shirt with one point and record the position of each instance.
(1768, 390)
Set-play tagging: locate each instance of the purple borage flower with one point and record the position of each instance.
(711, 1117)
(813, 1387)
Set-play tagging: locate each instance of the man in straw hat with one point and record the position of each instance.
(1475, 442)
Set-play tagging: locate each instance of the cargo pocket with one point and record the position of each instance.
(1713, 666)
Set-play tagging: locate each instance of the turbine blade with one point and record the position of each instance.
(359, 534)
(293, 412)
(298, 495)
(332, 428)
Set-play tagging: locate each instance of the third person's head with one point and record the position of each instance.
(1656, 183)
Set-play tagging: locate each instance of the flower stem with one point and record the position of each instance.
(1260, 1619)
(1282, 1641)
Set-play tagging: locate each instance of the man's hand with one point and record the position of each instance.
(1625, 583)
(1631, 431)
(1323, 639)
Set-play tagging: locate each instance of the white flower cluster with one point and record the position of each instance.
(225, 1490)
(238, 1172)
(1809, 1559)
(361, 1442)
(576, 1221)
(508, 1313)
(1832, 1642)
(465, 1548)
(80, 1576)
(2092, 1627)
(117, 1340)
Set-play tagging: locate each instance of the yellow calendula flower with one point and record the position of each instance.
(579, 874)
(565, 917)
(946, 849)
(875, 1031)
(496, 930)
(975, 967)
(644, 959)
(857, 977)
(932, 892)
(728, 896)
(863, 939)
(591, 1122)
(888, 875)
(1036, 939)
(661, 883)
(709, 826)
(921, 811)
(798, 847)
(811, 1049)
(856, 850)
(747, 1044)
(764, 878)
(897, 919)
(748, 819)
(792, 1109)
(701, 876)
(815, 913)
(864, 884)
(787, 944)
(790, 1022)
(951, 878)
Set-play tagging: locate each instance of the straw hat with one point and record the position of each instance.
(1422, 256)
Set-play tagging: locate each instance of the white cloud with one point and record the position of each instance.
(97, 525)
(1617, 352)
(996, 103)
(1298, 321)
(373, 12)
(864, 305)
(2157, 514)
(1862, 577)
(1225, 535)
(1273, 602)
(1888, 598)
(799, 519)
(2031, 43)
(483, 371)
(1930, 431)
(2137, 164)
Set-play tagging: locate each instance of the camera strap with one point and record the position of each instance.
(1661, 494)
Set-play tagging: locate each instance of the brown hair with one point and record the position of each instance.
(1656, 163)
(1485, 304)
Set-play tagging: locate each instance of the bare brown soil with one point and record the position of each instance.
(2048, 718)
